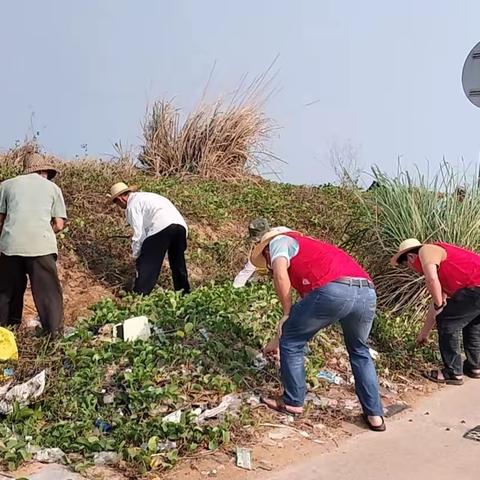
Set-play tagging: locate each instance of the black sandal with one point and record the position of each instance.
(279, 406)
(471, 374)
(375, 428)
(432, 375)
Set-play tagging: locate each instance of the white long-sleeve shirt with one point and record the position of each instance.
(244, 275)
(148, 213)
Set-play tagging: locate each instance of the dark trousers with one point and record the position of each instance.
(460, 316)
(173, 240)
(46, 290)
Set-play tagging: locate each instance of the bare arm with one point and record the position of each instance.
(433, 283)
(282, 284)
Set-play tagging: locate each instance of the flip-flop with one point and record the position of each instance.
(432, 375)
(375, 428)
(279, 406)
(471, 374)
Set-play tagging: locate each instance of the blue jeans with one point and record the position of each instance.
(354, 308)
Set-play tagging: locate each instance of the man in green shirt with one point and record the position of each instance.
(32, 211)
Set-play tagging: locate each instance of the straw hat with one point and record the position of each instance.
(35, 162)
(405, 247)
(119, 189)
(256, 256)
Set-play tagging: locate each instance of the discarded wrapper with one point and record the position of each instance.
(229, 402)
(136, 328)
(330, 377)
(244, 458)
(173, 417)
(23, 394)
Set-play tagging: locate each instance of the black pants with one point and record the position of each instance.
(46, 290)
(173, 240)
(461, 315)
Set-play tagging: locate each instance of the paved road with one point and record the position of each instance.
(426, 443)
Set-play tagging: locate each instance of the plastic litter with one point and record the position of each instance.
(103, 426)
(244, 458)
(50, 455)
(136, 328)
(330, 377)
(167, 446)
(373, 353)
(205, 334)
(106, 458)
(23, 394)
(173, 417)
(33, 322)
(229, 402)
(8, 346)
(7, 374)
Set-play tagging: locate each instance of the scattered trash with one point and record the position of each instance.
(257, 358)
(173, 417)
(167, 446)
(260, 361)
(204, 333)
(244, 458)
(136, 328)
(7, 374)
(103, 426)
(8, 346)
(395, 408)
(373, 353)
(50, 455)
(229, 402)
(106, 458)
(69, 331)
(33, 322)
(322, 402)
(473, 434)
(330, 377)
(196, 411)
(22, 394)
(108, 398)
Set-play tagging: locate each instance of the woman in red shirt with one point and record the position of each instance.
(333, 287)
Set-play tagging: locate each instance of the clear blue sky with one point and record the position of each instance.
(384, 74)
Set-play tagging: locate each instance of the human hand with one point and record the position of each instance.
(422, 338)
(272, 349)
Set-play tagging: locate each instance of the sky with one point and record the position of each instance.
(380, 77)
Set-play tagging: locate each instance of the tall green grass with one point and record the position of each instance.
(428, 208)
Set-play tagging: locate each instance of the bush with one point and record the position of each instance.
(427, 209)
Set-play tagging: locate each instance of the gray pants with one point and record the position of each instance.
(46, 290)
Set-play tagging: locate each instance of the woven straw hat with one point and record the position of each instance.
(256, 256)
(35, 162)
(119, 189)
(405, 247)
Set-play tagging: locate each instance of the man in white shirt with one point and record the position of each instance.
(158, 229)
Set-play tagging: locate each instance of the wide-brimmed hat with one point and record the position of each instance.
(119, 189)
(258, 228)
(256, 257)
(36, 162)
(405, 247)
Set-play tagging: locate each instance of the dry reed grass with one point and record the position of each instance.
(218, 141)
